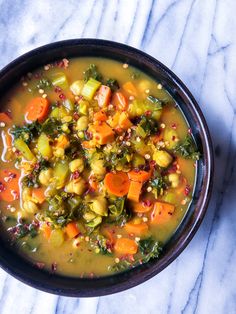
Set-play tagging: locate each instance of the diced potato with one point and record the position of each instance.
(30, 207)
(170, 138)
(162, 158)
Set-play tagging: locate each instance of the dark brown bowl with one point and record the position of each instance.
(85, 287)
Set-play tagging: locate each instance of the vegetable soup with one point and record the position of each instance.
(97, 167)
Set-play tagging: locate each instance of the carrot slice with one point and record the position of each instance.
(100, 116)
(130, 88)
(103, 96)
(72, 230)
(120, 101)
(161, 213)
(134, 191)
(141, 207)
(124, 246)
(4, 117)
(38, 195)
(37, 109)
(136, 229)
(117, 183)
(9, 185)
(139, 175)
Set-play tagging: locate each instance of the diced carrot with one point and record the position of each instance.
(120, 101)
(130, 88)
(103, 96)
(161, 213)
(9, 185)
(125, 246)
(38, 195)
(46, 231)
(136, 228)
(117, 183)
(62, 141)
(4, 117)
(100, 116)
(139, 175)
(72, 230)
(134, 191)
(37, 109)
(124, 121)
(141, 207)
(102, 133)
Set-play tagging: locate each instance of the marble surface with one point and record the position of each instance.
(197, 40)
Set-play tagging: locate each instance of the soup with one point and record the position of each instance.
(97, 170)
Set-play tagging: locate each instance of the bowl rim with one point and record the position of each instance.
(150, 272)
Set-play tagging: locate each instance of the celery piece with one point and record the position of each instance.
(68, 104)
(90, 88)
(140, 131)
(44, 146)
(24, 149)
(61, 171)
(59, 79)
(76, 87)
(59, 113)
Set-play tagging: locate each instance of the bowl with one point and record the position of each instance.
(90, 287)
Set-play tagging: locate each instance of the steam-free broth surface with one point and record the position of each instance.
(98, 167)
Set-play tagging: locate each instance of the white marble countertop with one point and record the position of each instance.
(197, 40)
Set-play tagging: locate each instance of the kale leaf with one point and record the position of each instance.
(149, 125)
(150, 249)
(158, 185)
(92, 71)
(26, 132)
(117, 211)
(187, 149)
(113, 84)
(31, 180)
(51, 127)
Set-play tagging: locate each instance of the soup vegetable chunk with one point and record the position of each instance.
(97, 168)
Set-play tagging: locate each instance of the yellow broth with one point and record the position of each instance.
(80, 255)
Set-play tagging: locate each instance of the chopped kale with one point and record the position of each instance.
(22, 229)
(26, 132)
(158, 185)
(187, 149)
(121, 266)
(117, 211)
(156, 101)
(51, 127)
(31, 180)
(148, 125)
(103, 245)
(150, 249)
(92, 71)
(113, 84)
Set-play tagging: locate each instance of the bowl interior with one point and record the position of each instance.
(26, 272)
